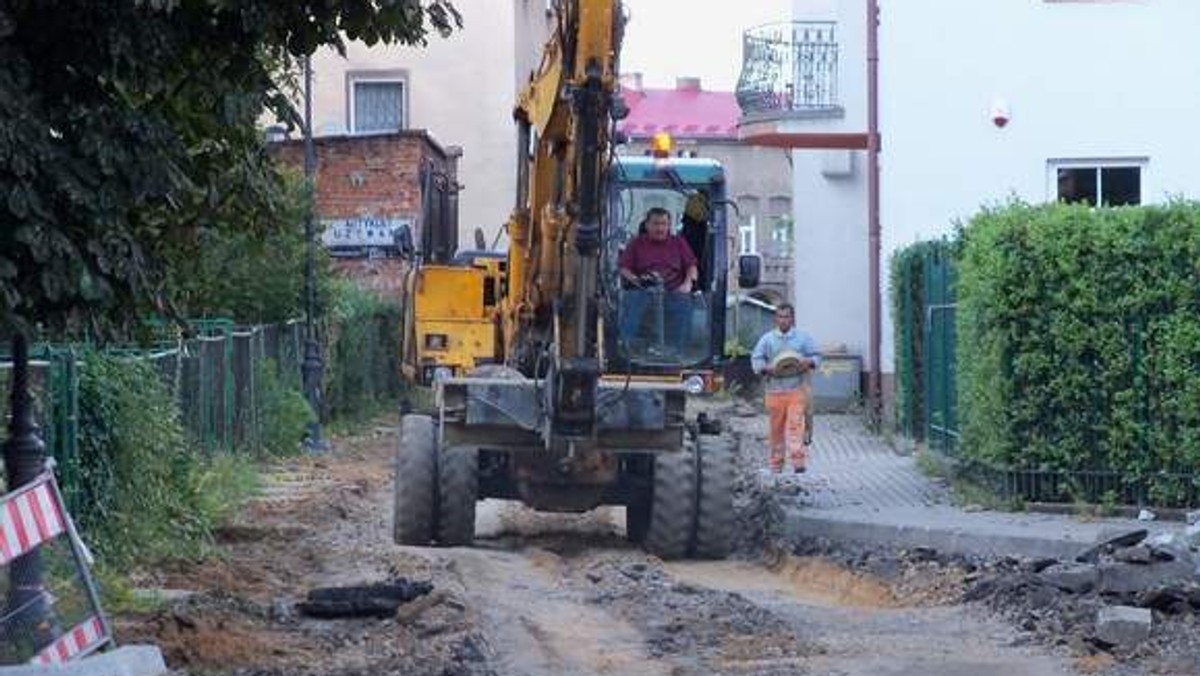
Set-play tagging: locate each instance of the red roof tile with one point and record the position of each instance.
(699, 114)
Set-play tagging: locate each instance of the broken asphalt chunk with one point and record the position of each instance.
(1126, 539)
(377, 600)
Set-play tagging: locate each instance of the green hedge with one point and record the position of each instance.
(363, 339)
(1079, 341)
(148, 494)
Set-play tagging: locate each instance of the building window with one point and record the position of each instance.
(1110, 184)
(748, 236)
(781, 233)
(378, 102)
(781, 225)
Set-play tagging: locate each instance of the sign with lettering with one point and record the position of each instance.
(368, 236)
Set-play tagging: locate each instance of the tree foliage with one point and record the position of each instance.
(252, 275)
(128, 134)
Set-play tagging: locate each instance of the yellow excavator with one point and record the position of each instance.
(555, 384)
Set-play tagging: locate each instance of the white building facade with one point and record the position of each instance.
(980, 101)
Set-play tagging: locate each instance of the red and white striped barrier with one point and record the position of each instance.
(83, 639)
(28, 517)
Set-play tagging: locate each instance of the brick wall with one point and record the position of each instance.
(376, 176)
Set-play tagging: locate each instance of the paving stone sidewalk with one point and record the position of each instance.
(858, 488)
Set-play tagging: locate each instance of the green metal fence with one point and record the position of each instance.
(213, 375)
(924, 314)
(937, 336)
(54, 388)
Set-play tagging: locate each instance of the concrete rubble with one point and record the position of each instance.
(1051, 574)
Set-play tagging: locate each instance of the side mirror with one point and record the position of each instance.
(749, 270)
(402, 239)
(480, 240)
(619, 109)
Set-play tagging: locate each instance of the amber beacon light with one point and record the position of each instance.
(661, 144)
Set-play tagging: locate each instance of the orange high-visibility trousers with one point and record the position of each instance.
(786, 410)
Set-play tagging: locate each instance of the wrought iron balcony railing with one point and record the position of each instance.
(789, 68)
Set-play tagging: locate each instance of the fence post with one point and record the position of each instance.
(63, 385)
(927, 342)
(24, 458)
(227, 391)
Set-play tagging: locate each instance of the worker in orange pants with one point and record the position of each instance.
(788, 413)
(786, 357)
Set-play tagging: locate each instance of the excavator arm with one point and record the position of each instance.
(550, 313)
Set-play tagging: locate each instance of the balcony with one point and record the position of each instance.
(788, 89)
(789, 71)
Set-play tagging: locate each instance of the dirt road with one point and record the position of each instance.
(540, 595)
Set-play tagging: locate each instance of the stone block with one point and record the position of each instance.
(1191, 536)
(1124, 625)
(129, 660)
(1137, 554)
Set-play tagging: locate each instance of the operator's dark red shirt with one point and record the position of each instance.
(670, 258)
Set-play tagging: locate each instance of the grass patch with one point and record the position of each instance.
(964, 491)
(285, 413)
(149, 494)
(118, 596)
(933, 465)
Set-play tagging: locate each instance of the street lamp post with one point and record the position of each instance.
(24, 459)
(313, 367)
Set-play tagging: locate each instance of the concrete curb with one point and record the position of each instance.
(953, 532)
(130, 660)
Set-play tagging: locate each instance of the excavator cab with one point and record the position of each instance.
(650, 330)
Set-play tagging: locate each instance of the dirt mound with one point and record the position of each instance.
(319, 522)
(707, 626)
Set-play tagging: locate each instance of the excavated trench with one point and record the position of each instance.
(548, 594)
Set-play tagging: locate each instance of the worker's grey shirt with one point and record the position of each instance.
(771, 344)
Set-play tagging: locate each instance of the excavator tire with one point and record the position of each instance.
(673, 504)
(458, 489)
(637, 518)
(639, 470)
(415, 511)
(715, 522)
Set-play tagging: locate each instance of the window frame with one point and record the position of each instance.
(357, 77)
(748, 236)
(1053, 165)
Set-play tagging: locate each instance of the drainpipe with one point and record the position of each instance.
(874, 378)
